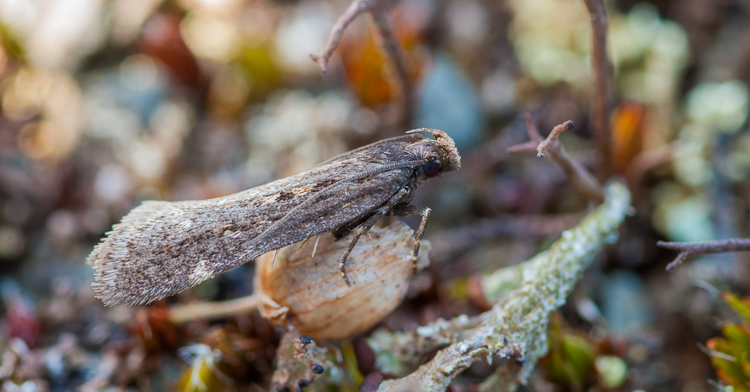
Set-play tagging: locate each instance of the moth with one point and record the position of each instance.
(162, 248)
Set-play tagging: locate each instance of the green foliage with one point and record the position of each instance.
(575, 362)
(729, 354)
(10, 41)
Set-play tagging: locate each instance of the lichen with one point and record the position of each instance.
(516, 327)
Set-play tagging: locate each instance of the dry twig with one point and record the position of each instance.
(378, 9)
(516, 327)
(180, 314)
(602, 72)
(688, 249)
(356, 8)
(576, 173)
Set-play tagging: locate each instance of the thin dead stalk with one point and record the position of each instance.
(378, 9)
(688, 249)
(356, 8)
(393, 49)
(602, 73)
(574, 171)
(180, 314)
(515, 328)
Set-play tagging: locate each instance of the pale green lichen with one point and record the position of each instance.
(397, 353)
(497, 284)
(516, 327)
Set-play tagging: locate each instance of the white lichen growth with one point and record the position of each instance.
(516, 327)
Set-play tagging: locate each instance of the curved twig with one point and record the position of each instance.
(688, 249)
(180, 314)
(378, 10)
(516, 327)
(576, 173)
(356, 8)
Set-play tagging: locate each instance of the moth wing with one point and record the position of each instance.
(340, 204)
(364, 150)
(162, 248)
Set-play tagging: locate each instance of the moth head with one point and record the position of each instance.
(440, 155)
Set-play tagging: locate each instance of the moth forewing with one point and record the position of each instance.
(162, 248)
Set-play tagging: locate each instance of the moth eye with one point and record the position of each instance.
(431, 169)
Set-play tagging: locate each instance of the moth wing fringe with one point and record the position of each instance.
(111, 254)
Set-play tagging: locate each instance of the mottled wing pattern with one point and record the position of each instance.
(162, 248)
(327, 210)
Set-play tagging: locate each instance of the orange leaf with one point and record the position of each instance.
(627, 134)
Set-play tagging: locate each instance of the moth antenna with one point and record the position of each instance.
(315, 248)
(275, 256)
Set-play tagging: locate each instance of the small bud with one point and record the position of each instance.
(317, 368)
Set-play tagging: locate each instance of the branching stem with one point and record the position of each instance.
(378, 9)
(516, 327)
(552, 147)
(688, 249)
(356, 8)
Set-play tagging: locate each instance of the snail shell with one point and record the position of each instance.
(311, 293)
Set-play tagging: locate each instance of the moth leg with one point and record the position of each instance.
(342, 264)
(300, 248)
(315, 247)
(367, 225)
(410, 210)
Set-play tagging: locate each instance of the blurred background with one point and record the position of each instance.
(105, 103)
